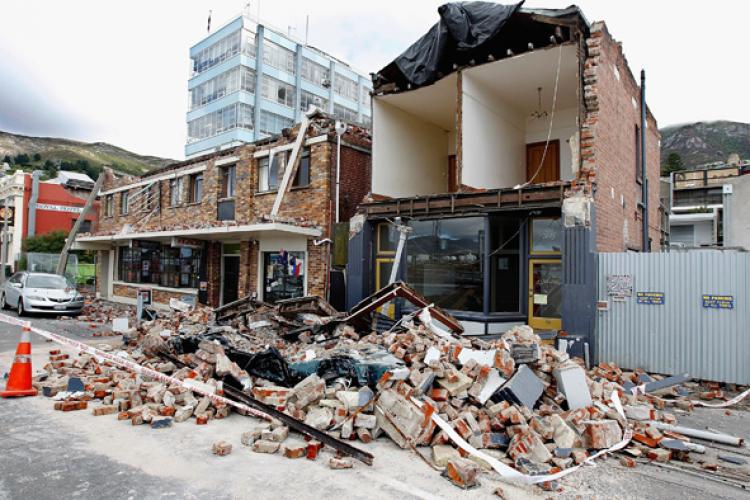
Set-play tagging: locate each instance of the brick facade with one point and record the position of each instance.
(309, 206)
(608, 146)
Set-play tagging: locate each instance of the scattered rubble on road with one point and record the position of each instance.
(516, 399)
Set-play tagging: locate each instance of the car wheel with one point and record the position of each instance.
(21, 310)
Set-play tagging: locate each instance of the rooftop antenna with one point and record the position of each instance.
(208, 26)
(258, 12)
(307, 27)
(246, 10)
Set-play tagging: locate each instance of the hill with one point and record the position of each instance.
(705, 142)
(48, 153)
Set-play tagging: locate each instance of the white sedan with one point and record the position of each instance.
(40, 293)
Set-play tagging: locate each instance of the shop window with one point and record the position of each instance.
(444, 262)
(546, 235)
(283, 275)
(156, 264)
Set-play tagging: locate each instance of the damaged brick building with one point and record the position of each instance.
(221, 226)
(507, 151)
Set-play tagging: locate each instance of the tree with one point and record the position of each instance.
(37, 157)
(7, 159)
(672, 164)
(21, 159)
(52, 242)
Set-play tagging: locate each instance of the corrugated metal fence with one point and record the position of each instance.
(708, 339)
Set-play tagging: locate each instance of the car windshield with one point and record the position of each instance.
(46, 281)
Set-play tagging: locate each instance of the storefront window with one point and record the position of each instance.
(152, 263)
(444, 262)
(283, 275)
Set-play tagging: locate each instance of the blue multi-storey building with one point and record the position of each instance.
(249, 81)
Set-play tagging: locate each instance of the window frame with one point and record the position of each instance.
(125, 202)
(109, 205)
(195, 188)
(228, 184)
(532, 251)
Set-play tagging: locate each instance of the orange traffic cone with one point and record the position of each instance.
(19, 382)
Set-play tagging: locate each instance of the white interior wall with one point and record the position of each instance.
(493, 132)
(565, 129)
(409, 155)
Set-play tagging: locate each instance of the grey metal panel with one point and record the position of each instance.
(681, 335)
(579, 284)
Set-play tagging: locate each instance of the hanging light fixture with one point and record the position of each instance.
(539, 113)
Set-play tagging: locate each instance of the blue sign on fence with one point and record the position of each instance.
(718, 301)
(653, 298)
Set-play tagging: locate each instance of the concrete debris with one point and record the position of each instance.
(515, 398)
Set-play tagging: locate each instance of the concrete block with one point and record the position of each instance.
(524, 388)
(571, 381)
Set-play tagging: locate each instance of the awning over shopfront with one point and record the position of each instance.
(220, 233)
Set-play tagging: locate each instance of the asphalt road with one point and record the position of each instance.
(69, 327)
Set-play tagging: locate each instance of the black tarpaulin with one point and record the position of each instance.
(463, 26)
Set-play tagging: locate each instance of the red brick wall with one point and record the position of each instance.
(354, 180)
(608, 146)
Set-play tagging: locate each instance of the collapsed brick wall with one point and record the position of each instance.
(354, 181)
(608, 146)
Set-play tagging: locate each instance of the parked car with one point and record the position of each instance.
(40, 293)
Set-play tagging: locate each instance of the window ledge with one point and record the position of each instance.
(191, 204)
(229, 198)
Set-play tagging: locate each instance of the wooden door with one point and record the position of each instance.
(550, 169)
(452, 174)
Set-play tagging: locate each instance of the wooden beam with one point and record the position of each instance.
(63, 262)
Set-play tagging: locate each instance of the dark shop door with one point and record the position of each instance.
(231, 278)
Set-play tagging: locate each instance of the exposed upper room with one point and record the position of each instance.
(471, 104)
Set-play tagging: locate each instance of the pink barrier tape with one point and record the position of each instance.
(131, 366)
(731, 402)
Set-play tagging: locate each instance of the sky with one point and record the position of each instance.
(100, 70)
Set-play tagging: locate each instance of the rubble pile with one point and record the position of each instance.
(103, 312)
(516, 399)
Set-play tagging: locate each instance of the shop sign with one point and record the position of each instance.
(186, 243)
(59, 208)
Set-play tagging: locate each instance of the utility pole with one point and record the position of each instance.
(63, 262)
